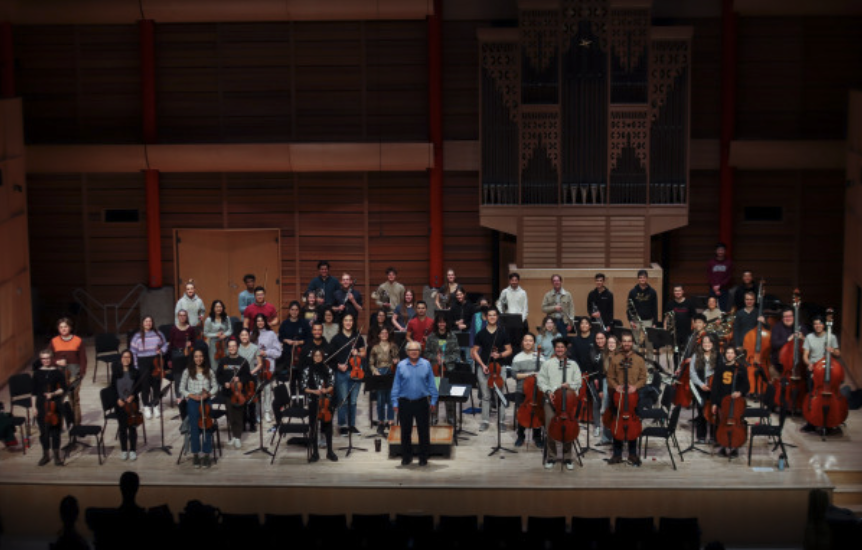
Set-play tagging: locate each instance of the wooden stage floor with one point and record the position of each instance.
(739, 504)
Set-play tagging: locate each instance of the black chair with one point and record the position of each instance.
(664, 432)
(591, 533)
(762, 412)
(20, 388)
(81, 430)
(291, 419)
(502, 531)
(108, 352)
(458, 531)
(678, 533)
(413, 531)
(770, 431)
(662, 412)
(216, 415)
(547, 532)
(634, 533)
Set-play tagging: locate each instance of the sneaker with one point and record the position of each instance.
(634, 460)
(133, 456)
(206, 462)
(483, 427)
(355, 431)
(615, 460)
(196, 462)
(44, 460)
(157, 412)
(549, 464)
(332, 456)
(519, 441)
(268, 417)
(570, 465)
(148, 412)
(342, 431)
(597, 432)
(237, 443)
(124, 455)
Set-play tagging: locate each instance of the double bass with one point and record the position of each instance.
(826, 407)
(531, 413)
(622, 419)
(792, 392)
(757, 345)
(564, 425)
(730, 430)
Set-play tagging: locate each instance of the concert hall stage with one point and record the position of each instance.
(735, 503)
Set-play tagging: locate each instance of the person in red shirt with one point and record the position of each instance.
(420, 326)
(260, 307)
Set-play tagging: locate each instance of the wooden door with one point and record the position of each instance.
(218, 259)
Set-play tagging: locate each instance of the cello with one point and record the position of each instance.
(564, 425)
(757, 344)
(622, 419)
(826, 407)
(682, 380)
(790, 357)
(730, 431)
(531, 414)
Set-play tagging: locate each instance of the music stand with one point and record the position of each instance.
(502, 403)
(444, 395)
(592, 397)
(462, 375)
(162, 391)
(350, 448)
(258, 394)
(660, 339)
(375, 384)
(513, 324)
(397, 338)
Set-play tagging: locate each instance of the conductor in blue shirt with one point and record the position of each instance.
(413, 391)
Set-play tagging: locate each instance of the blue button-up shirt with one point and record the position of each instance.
(414, 381)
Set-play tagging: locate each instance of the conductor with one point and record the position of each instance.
(413, 386)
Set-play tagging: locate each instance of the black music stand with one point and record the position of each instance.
(592, 397)
(502, 403)
(375, 384)
(513, 323)
(162, 391)
(397, 338)
(462, 375)
(444, 395)
(257, 397)
(350, 448)
(659, 337)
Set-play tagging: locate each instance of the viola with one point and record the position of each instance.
(241, 393)
(219, 350)
(757, 345)
(531, 413)
(826, 407)
(324, 407)
(564, 425)
(494, 373)
(621, 418)
(792, 387)
(707, 403)
(585, 397)
(205, 421)
(730, 431)
(134, 418)
(157, 371)
(52, 417)
(437, 367)
(187, 349)
(265, 374)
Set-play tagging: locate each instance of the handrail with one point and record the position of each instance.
(96, 309)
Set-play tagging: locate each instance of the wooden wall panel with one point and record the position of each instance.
(466, 245)
(461, 85)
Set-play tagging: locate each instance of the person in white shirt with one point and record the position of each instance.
(193, 304)
(513, 298)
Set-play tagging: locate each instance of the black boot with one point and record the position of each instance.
(57, 460)
(45, 459)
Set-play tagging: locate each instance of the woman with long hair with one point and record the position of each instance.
(346, 389)
(217, 330)
(148, 346)
(269, 349)
(197, 386)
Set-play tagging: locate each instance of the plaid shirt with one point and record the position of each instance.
(197, 384)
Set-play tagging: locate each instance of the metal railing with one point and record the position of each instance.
(99, 312)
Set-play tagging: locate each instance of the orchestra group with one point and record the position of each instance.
(591, 371)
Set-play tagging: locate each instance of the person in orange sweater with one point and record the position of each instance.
(71, 356)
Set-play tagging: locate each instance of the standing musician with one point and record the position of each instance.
(390, 293)
(197, 386)
(414, 395)
(379, 321)
(746, 320)
(192, 304)
(181, 341)
(348, 342)
(645, 301)
(547, 334)
(558, 304)
(70, 353)
(323, 284)
(523, 367)
(513, 298)
(444, 296)
(317, 383)
(125, 393)
(260, 307)
(250, 352)
(616, 382)
(732, 367)
(217, 330)
(701, 370)
(814, 349)
(600, 303)
(269, 350)
(420, 326)
(405, 311)
(441, 348)
(234, 368)
(683, 313)
(747, 285)
(719, 273)
(781, 334)
(382, 359)
(486, 348)
(147, 345)
(246, 297)
(461, 312)
(316, 342)
(597, 368)
(550, 379)
(579, 350)
(348, 300)
(313, 309)
(49, 387)
(292, 333)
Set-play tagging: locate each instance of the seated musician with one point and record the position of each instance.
(712, 313)
(233, 367)
(491, 344)
(524, 366)
(731, 369)
(198, 385)
(550, 379)
(815, 348)
(546, 337)
(329, 324)
(781, 334)
(382, 360)
(125, 391)
(313, 309)
(49, 387)
(617, 385)
(317, 381)
(441, 348)
(701, 369)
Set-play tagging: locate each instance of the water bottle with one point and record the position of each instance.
(781, 462)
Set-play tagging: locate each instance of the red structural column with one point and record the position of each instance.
(7, 61)
(146, 29)
(435, 115)
(728, 121)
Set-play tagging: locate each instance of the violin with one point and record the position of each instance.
(826, 407)
(495, 378)
(324, 406)
(622, 419)
(531, 413)
(157, 371)
(219, 350)
(240, 393)
(187, 349)
(564, 425)
(707, 403)
(134, 418)
(355, 365)
(52, 417)
(793, 391)
(265, 374)
(205, 421)
(437, 367)
(757, 345)
(730, 432)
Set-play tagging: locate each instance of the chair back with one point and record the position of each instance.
(105, 396)
(107, 342)
(769, 397)
(68, 415)
(674, 419)
(667, 396)
(20, 384)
